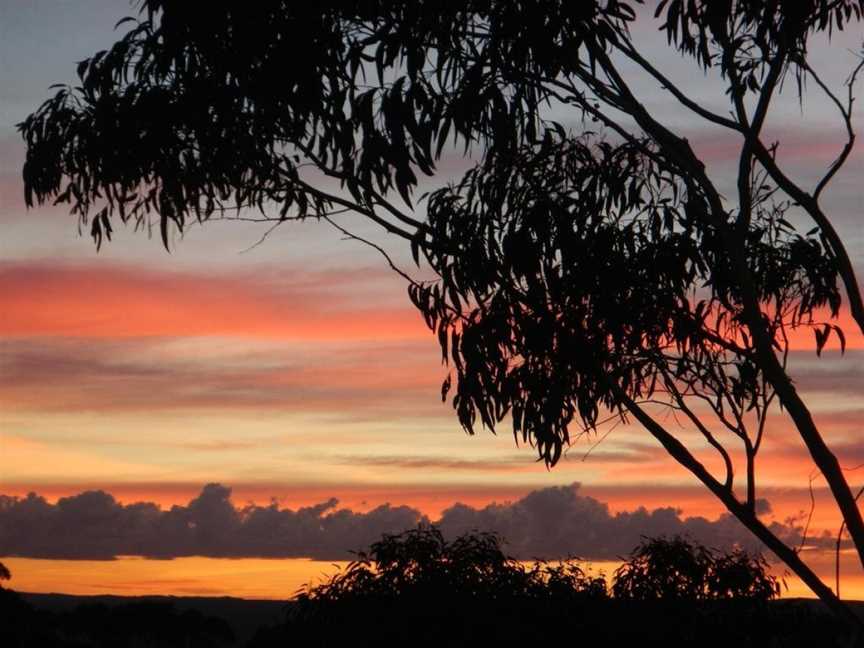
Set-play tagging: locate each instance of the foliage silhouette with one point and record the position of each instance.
(420, 562)
(417, 587)
(127, 625)
(675, 568)
(576, 272)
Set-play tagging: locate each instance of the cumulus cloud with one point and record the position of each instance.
(557, 522)
(93, 525)
(547, 523)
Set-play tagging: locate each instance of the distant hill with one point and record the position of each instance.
(244, 615)
(247, 616)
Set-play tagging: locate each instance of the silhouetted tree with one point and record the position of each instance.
(679, 568)
(578, 272)
(421, 562)
(679, 592)
(417, 586)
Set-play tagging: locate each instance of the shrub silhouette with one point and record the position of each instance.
(679, 568)
(420, 562)
(417, 586)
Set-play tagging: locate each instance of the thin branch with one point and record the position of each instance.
(676, 92)
(601, 439)
(727, 460)
(837, 548)
(744, 514)
(813, 475)
(811, 206)
(375, 246)
(365, 211)
(763, 417)
(277, 223)
(751, 135)
(846, 112)
(337, 175)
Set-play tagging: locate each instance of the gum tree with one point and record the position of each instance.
(586, 266)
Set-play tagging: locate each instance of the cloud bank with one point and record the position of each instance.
(548, 523)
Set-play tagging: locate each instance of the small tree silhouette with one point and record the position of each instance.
(742, 575)
(421, 563)
(416, 586)
(679, 568)
(418, 589)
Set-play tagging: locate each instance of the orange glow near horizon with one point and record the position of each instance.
(281, 579)
(250, 578)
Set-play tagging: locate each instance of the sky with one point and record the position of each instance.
(239, 379)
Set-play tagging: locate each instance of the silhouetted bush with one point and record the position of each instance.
(421, 562)
(676, 591)
(679, 568)
(417, 587)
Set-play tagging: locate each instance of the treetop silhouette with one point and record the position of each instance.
(418, 586)
(585, 267)
(677, 568)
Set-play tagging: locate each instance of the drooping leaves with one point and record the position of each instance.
(575, 270)
(571, 269)
(198, 113)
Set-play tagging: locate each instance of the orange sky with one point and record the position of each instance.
(267, 579)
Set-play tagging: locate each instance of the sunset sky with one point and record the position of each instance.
(297, 369)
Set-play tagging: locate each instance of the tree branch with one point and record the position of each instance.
(743, 513)
(846, 112)
(811, 206)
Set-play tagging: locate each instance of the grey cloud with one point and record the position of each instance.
(629, 452)
(556, 522)
(763, 506)
(436, 463)
(547, 523)
(833, 373)
(93, 525)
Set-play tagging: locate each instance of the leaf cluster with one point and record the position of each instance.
(191, 115)
(743, 37)
(575, 270)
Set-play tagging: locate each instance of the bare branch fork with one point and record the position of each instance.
(684, 156)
